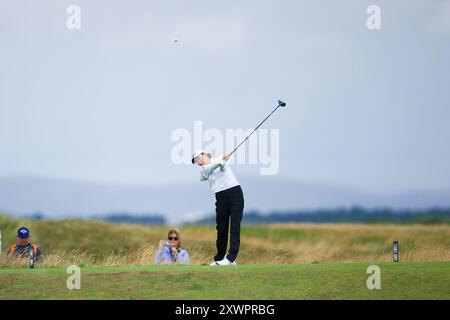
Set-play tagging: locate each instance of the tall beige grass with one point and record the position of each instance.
(140, 257)
(93, 243)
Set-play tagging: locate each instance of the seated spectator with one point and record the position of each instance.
(170, 250)
(23, 246)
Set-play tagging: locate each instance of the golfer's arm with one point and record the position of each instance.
(223, 165)
(209, 168)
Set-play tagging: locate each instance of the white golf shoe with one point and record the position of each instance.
(224, 262)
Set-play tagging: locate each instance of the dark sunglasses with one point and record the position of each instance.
(174, 238)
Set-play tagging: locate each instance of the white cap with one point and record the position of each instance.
(199, 152)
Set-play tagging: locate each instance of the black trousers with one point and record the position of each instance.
(229, 207)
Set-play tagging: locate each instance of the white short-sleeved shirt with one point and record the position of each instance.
(219, 175)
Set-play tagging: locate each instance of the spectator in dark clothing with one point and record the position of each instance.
(23, 246)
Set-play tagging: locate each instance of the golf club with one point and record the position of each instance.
(280, 104)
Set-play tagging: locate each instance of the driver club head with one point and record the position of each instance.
(281, 103)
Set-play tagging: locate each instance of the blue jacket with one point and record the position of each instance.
(164, 255)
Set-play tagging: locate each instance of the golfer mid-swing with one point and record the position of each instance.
(229, 204)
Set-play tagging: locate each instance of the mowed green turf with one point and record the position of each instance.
(407, 280)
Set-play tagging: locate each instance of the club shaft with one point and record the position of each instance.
(259, 125)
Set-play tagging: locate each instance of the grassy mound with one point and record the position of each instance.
(89, 243)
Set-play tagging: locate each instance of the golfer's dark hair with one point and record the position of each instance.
(203, 153)
(177, 232)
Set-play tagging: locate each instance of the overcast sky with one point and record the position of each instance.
(366, 109)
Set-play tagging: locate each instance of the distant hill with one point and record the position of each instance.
(188, 202)
(346, 215)
(132, 218)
